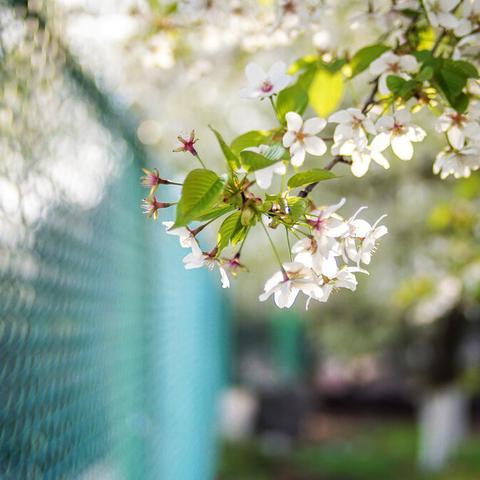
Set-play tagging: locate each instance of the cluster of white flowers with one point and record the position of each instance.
(462, 155)
(326, 259)
(351, 136)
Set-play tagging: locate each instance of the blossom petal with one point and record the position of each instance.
(294, 121)
(224, 278)
(288, 139)
(402, 147)
(264, 177)
(342, 116)
(314, 125)
(456, 137)
(285, 295)
(360, 165)
(381, 142)
(298, 157)
(315, 146)
(277, 72)
(255, 74)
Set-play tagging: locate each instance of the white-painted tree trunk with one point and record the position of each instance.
(443, 423)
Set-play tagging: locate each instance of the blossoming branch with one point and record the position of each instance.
(267, 184)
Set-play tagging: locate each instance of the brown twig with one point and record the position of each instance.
(338, 159)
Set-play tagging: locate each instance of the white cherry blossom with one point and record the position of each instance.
(264, 176)
(301, 138)
(262, 84)
(344, 278)
(459, 163)
(397, 131)
(198, 259)
(458, 127)
(361, 250)
(326, 224)
(439, 13)
(362, 155)
(186, 237)
(470, 18)
(352, 125)
(306, 251)
(285, 285)
(391, 64)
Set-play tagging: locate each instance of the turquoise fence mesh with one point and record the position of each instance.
(110, 353)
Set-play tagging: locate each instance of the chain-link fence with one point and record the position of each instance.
(110, 353)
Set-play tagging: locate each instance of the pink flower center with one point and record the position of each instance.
(398, 128)
(457, 119)
(266, 87)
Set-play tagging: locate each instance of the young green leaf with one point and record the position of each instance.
(395, 83)
(275, 152)
(201, 190)
(426, 73)
(302, 64)
(254, 138)
(365, 56)
(309, 176)
(228, 229)
(215, 212)
(231, 158)
(292, 99)
(252, 161)
(326, 91)
(297, 207)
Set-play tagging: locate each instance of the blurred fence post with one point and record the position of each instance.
(288, 345)
(443, 425)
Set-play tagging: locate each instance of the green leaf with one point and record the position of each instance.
(395, 83)
(232, 159)
(401, 87)
(216, 212)
(274, 152)
(252, 161)
(291, 99)
(426, 73)
(306, 78)
(325, 92)
(297, 207)
(309, 176)
(462, 67)
(460, 103)
(424, 56)
(254, 138)
(365, 56)
(201, 190)
(228, 229)
(302, 64)
(239, 235)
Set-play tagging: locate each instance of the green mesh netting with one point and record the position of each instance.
(109, 351)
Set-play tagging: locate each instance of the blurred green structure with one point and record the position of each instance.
(110, 353)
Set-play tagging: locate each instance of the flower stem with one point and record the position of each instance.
(277, 256)
(288, 243)
(200, 160)
(197, 230)
(273, 105)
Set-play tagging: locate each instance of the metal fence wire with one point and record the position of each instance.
(110, 353)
